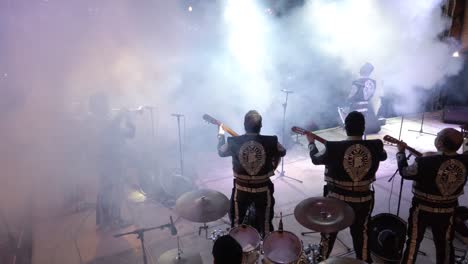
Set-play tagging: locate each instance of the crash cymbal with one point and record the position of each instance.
(324, 214)
(336, 260)
(202, 206)
(170, 257)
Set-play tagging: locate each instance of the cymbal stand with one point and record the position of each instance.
(179, 249)
(141, 236)
(203, 227)
(285, 105)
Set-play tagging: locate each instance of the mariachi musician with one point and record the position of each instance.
(438, 181)
(359, 98)
(350, 167)
(111, 134)
(254, 159)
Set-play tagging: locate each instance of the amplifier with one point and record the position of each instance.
(455, 114)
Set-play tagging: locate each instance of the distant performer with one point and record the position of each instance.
(254, 160)
(350, 167)
(109, 142)
(438, 182)
(362, 91)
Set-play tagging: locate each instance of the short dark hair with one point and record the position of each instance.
(450, 138)
(226, 250)
(355, 124)
(366, 69)
(252, 122)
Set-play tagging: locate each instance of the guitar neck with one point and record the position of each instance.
(396, 141)
(230, 131)
(318, 138)
(413, 151)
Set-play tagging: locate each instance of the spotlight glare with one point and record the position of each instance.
(190, 9)
(456, 54)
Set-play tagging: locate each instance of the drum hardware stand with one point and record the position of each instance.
(285, 105)
(178, 116)
(141, 236)
(203, 227)
(348, 249)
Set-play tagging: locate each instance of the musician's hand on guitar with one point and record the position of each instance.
(220, 130)
(310, 138)
(401, 146)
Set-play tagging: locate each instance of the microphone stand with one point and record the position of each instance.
(401, 186)
(141, 236)
(421, 131)
(178, 116)
(285, 105)
(400, 195)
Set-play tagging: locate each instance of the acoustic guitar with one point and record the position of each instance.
(393, 140)
(302, 131)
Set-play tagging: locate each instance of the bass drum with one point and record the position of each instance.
(386, 238)
(282, 247)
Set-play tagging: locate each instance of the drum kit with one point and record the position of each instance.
(320, 214)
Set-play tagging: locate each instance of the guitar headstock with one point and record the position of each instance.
(391, 139)
(211, 120)
(299, 130)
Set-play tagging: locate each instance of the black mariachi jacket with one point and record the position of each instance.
(254, 156)
(349, 162)
(438, 179)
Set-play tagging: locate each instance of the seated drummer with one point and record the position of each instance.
(226, 250)
(254, 160)
(350, 167)
(438, 181)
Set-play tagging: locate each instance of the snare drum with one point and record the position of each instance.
(282, 247)
(250, 240)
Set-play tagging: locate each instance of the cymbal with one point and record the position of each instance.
(336, 260)
(322, 214)
(202, 206)
(170, 257)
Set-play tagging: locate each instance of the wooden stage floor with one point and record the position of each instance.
(73, 238)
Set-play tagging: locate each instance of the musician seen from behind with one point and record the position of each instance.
(350, 167)
(111, 133)
(438, 181)
(254, 160)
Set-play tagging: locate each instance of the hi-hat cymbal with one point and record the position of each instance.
(336, 260)
(324, 214)
(170, 257)
(202, 206)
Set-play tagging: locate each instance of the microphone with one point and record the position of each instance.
(178, 115)
(287, 91)
(247, 214)
(280, 225)
(173, 228)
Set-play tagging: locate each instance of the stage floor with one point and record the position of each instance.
(73, 238)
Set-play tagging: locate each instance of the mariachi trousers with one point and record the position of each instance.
(423, 215)
(258, 196)
(359, 229)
